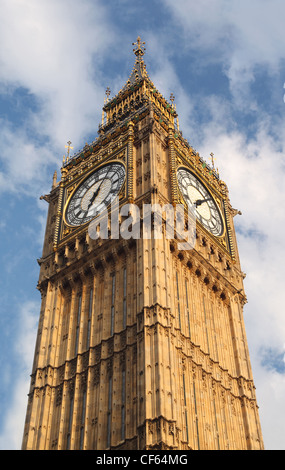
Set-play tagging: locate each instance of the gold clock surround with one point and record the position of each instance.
(81, 182)
(216, 200)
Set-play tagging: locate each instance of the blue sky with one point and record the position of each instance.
(224, 60)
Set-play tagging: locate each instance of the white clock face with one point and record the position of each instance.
(196, 194)
(94, 194)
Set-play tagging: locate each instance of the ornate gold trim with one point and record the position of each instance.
(173, 167)
(130, 163)
(58, 216)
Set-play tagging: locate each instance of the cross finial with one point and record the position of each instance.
(108, 92)
(212, 158)
(68, 147)
(140, 49)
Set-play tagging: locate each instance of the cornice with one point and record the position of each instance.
(208, 274)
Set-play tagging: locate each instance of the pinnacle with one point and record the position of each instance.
(139, 70)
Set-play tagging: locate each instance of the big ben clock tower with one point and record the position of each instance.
(141, 344)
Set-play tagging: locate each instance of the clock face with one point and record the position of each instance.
(196, 194)
(94, 194)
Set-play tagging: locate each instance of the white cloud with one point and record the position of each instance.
(251, 32)
(270, 392)
(240, 35)
(52, 49)
(13, 425)
(24, 162)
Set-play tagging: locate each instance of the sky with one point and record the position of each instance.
(224, 60)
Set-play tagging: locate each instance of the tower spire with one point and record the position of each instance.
(139, 69)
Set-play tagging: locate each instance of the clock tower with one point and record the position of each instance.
(141, 343)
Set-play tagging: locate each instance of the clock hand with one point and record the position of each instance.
(94, 197)
(201, 201)
(97, 190)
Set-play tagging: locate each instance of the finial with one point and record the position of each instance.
(212, 158)
(54, 180)
(172, 98)
(68, 147)
(106, 100)
(140, 49)
(108, 92)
